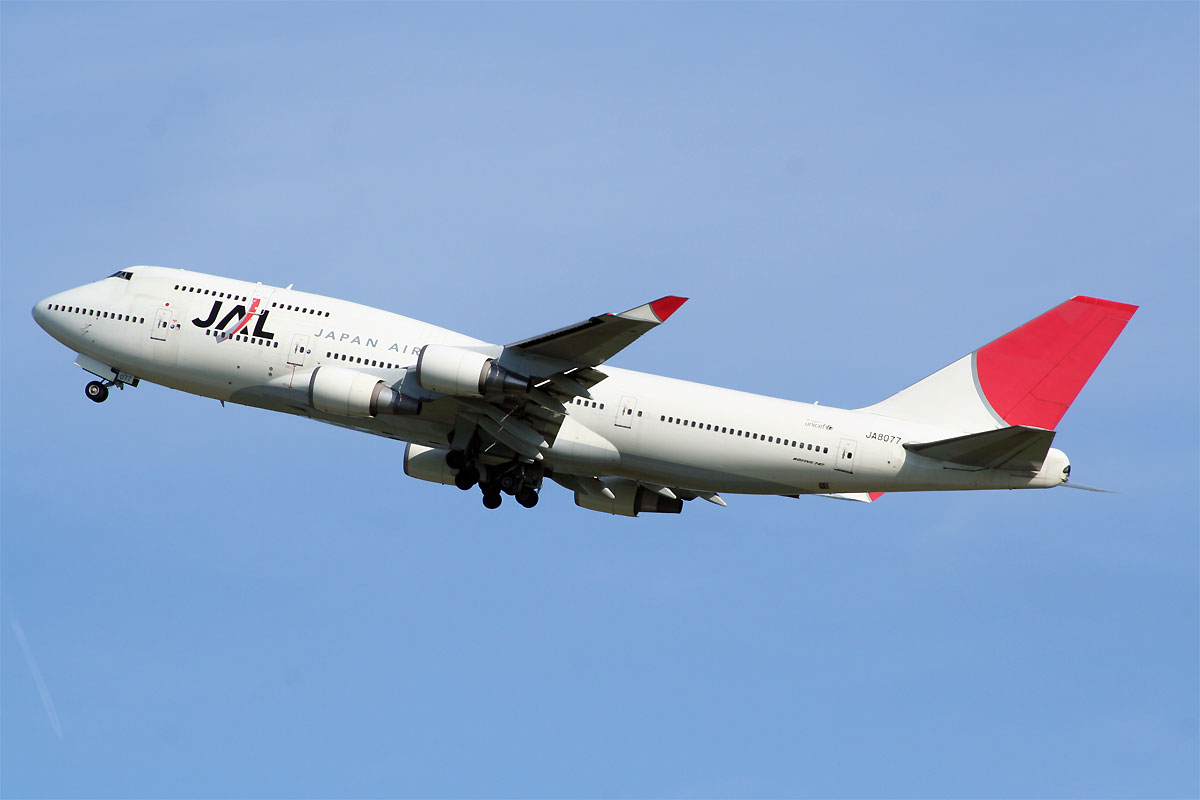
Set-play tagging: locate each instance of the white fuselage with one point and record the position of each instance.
(160, 326)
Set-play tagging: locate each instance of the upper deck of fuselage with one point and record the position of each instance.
(160, 286)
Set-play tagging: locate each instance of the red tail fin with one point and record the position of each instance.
(1032, 375)
(1029, 376)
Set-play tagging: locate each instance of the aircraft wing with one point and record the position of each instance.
(560, 366)
(597, 339)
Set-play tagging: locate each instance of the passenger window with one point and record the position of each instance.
(826, 450)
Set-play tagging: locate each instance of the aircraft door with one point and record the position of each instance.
(626, 412)
(845, 457)
(299, 350)
(162, 325)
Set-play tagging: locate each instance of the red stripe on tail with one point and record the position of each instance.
(1032, 375)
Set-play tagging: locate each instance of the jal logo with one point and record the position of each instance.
(240, 313)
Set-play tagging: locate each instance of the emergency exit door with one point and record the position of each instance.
(162, 325)
(845, 458)
(626, 412)
(299, 350)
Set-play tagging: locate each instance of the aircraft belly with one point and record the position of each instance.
(696, 476)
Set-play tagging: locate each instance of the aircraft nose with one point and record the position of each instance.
(43, 311)
(40, 310)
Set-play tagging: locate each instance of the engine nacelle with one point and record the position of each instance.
(457, 371)
(629, 499)
(347, 393)
(427, 464)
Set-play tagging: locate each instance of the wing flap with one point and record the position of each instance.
(1018, 448)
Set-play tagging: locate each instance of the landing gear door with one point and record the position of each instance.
(626, 412)
(299, 350)
(845, 457)
(162, 325)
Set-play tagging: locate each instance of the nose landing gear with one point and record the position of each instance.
(96, 391)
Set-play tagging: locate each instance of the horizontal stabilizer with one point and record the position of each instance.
(1019, 448)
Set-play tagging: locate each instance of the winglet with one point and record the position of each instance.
(858, 497)
(664, 307)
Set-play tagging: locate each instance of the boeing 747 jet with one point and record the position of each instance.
(507, 417)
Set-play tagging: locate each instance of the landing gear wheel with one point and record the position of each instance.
(466, 478)
(509, 482)
(96, 391)
(456, 459)
(527, 497)
(492, 499)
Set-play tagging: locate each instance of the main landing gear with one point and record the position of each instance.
(515, 479)
(96, 391)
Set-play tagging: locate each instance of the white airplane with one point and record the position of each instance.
(505, 417)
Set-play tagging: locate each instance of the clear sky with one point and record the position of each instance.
(208, 602)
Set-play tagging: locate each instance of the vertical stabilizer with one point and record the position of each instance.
(1029, 376)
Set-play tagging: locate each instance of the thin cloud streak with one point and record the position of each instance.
(47, 700)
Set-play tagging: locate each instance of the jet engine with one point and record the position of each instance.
(347, 393)
(629, 499)
(458, 371)
(427, 464)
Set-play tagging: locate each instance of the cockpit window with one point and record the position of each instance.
(122, 274)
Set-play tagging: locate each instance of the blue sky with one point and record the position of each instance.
(225, 602)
